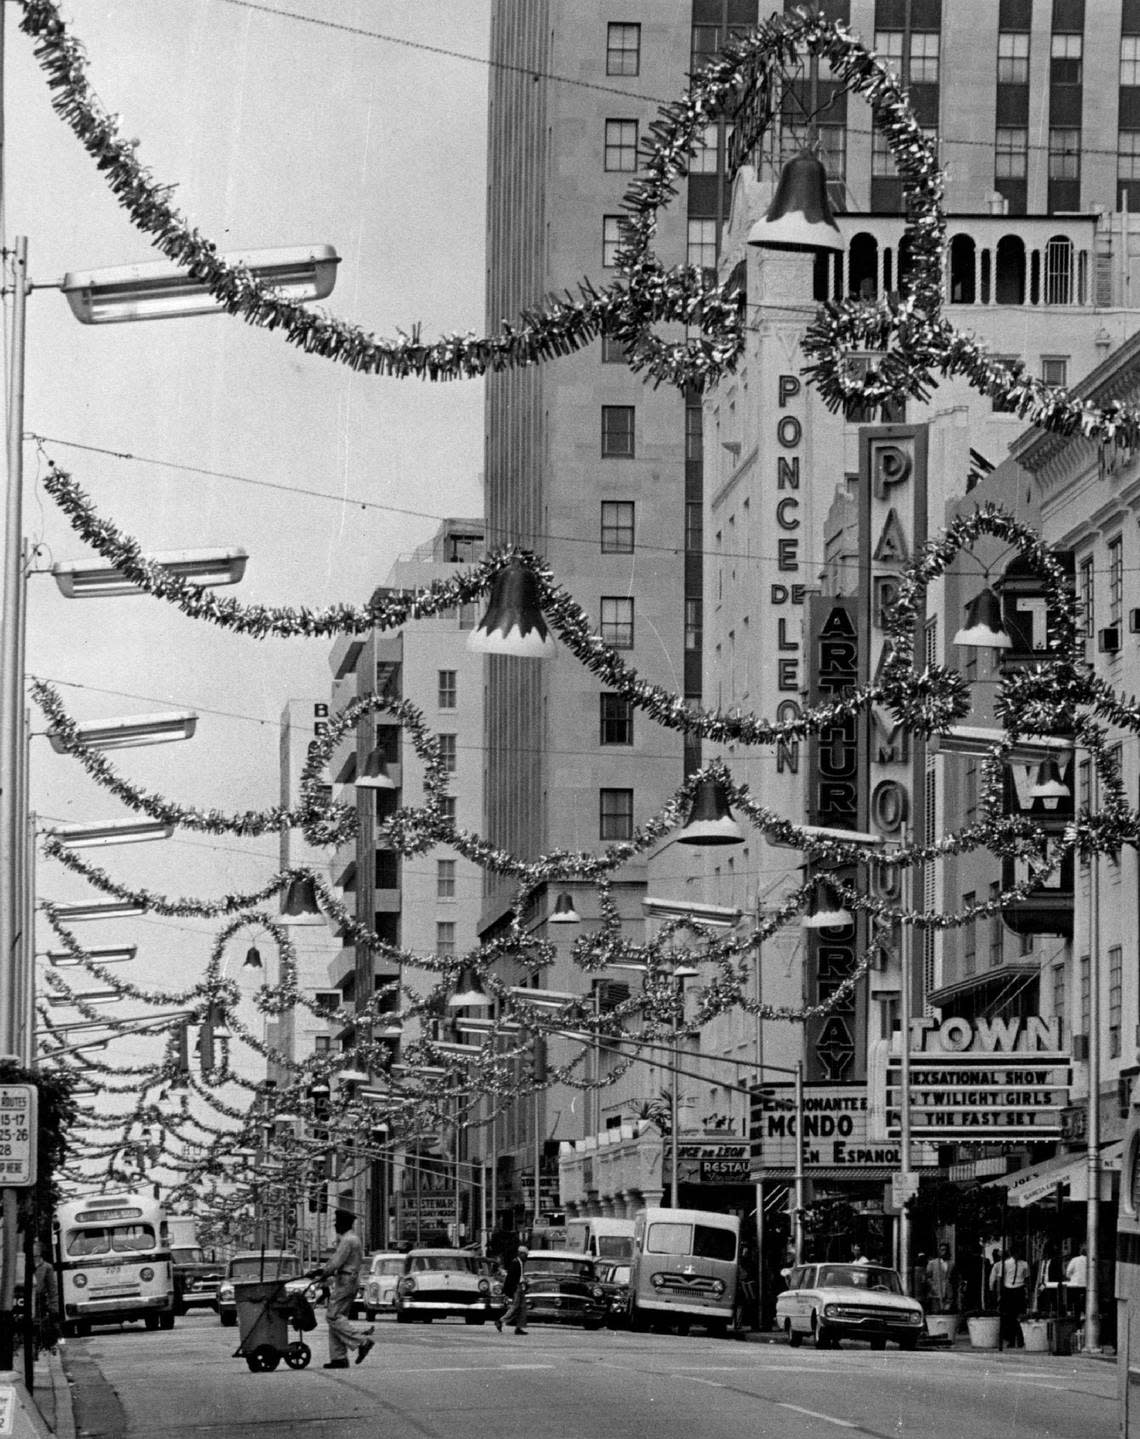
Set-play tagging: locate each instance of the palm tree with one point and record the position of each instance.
(658, 1110)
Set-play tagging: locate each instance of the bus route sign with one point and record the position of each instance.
(18, 1130)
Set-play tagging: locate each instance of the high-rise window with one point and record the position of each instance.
(1065, 59)
(1087, 578)
(613, 351)
(615, 814)
(1116, 579)
(616, 626)
(447, 752)
(1115, 998)
(1060, 989)
(613, 238)
(621, 145)
(617, 527)
(1059, 271)
(1130, 59)
(1011, 149)
(694, 623)
(694, 526)
(882, 161)
(1128, 153)
(705, 44)
(1086, 993)
(997, 928)
(924, 57)
(1013, 58)
(694, 432)
(704, 160)
(623, 49)
(702, 244)
(448, 691)
(889, 46)
(1064, 153)
(1055, 369)
(617, 432)
(445, 936)
(445, 879)
(616, 719)
(447, 808)
(969, 935)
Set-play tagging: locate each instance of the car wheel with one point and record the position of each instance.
(166, 1321)
(878, 1343)
(717, 1328)
(227, 1319)
(795, 1338)
(823, 1337)
(682, 1327)
(151, 1320)
(82, 1328)
(474, 1319)
(592, 1323)
(403, 1317)
(637, 1320)
(909, 1341)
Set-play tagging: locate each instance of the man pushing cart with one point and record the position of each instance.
(342, 1271)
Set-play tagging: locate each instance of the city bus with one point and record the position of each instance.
(113, 1261)
(684, 1270)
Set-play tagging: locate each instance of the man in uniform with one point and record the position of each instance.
(343, 1273)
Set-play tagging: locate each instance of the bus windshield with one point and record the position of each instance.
(110, 1239)
(701, 1240)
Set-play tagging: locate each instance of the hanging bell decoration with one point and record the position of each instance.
(710, 819)
(300, 905)
(470, 994)
(1049, 786)
(984, 628)
(800, 215)
(829, 911)
(513, 623)
(252, 958)
(373, 774)
(564, 911)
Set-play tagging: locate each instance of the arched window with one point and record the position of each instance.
(1059, 270)
(962, 286)
(1009, 282)
(863, 266)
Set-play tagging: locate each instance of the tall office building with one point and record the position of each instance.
(1035, 111)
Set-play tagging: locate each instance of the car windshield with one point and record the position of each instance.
(702, 1241)
(388, 1266)
(461, 1262)
(858, 1276)
(112, 1239)
(565, 1268)
(188, 1256)
(271, 1266)
(615, 1246)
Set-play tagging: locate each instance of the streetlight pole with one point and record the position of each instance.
(1092, 1128)
(798, 1217)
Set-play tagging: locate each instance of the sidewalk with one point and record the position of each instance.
(52, 1395)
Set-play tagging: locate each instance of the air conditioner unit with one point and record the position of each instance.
(1108, 639)
(1134, 622)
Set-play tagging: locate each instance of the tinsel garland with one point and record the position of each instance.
(909, 335)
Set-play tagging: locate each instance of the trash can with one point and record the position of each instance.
(1061, 1337)
(263, 1319)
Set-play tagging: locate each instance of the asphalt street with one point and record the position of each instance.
(448, 1380)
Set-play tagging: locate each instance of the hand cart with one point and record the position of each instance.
(265, 1312)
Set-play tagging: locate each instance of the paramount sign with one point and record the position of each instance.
(973, 1079)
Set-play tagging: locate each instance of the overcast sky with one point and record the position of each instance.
(276, 132)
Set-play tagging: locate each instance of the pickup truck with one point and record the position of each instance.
(196, 1278)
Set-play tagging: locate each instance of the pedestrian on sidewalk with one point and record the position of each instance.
(941, 1291)
(1077, 1281)
(514, 1287)
(343, 1273)
(1012, 1276)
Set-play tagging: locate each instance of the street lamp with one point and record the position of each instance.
(112, 831)
(130, 732)
(81, 580)
(153, 291)
(101, 954)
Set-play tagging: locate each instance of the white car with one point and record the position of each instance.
(831, 1302)
(377, 1289)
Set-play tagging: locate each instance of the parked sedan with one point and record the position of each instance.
(614, 1279)
(848, 1301)
(257, 1264)
(562, 1287)
(376, 1291)
(445, 1283)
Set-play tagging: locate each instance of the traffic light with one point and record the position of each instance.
(213, 1027)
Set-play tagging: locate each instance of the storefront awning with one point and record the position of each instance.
(1037, 1184)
